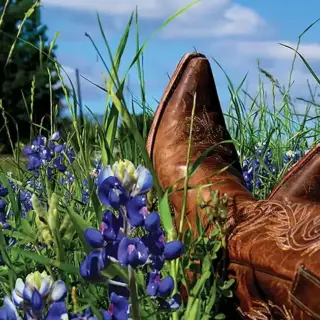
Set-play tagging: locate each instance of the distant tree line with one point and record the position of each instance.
(25, 72)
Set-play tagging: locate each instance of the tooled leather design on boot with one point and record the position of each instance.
(274, 239)
(271, 239)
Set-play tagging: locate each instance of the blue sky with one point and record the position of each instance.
(235, 33)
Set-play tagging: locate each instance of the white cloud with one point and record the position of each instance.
(239, 57)
(207, 18)
(273, 50)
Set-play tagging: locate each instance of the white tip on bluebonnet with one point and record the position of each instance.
(59, 291)
(144, 181)
(46, 285)
(105, 173)
(55, 136)
(17, 292)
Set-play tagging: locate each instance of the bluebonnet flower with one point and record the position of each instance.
(93, 265)
(49, 153)
(123, 187)
(55, 136)
(253, 170)
(86, 315)
(157, 287)
(57, 311)
(118, 310)
(3, 214)
(38, 291)
(137, 210)
(71, 155)
(291, 157)
(106, 315)
(32, 294)
(111, 193)
(85, 192)
(118, 183)
(97, 168)
(173, 250)
(3, 191)
(8, 311)
(132, 252)
(26, 204)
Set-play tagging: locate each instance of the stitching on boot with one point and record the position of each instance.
(203, 131)
(280, 221)
(265, 311)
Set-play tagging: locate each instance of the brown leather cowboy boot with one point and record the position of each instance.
(302, 182)
(274, 247)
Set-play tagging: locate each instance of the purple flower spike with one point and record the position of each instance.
(166, 287)
(59, 291)
(56, 136)
(173, 250)
(34, 163)
(40, 141)
(91, 268)
(110, 225)
(57, 311)
(3, 191)
(111, 193)
(104, 174)
(153, 283)
(8, 311)
(157, 262)
(27, 151)
(94, 238)
(155, 242)
(58, 148)
(132, 252)
(152, 222)
(156, 287)
(2, 205)
(119, 308)
(137, 210)
(36, 303)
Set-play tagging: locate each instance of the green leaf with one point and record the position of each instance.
(18, 235)
(27, 229)
(166, 218)
(80, 225)
(227, 284)
(195, 311)
(210, 301)
(46, 261)
(220, 316)
(200, 284)
(206, 264)
(4, 251)
(216, 246)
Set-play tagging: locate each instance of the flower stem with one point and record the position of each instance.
(135, 312)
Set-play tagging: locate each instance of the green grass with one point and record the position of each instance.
(250, 120)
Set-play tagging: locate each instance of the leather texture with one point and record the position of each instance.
(274, 245)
